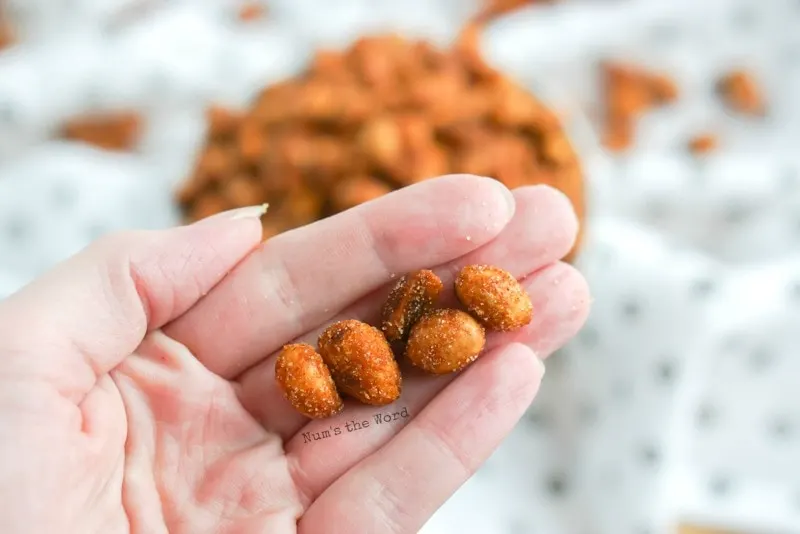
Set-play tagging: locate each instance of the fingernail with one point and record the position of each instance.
(511, 202)
(250, 212)
(537, 361)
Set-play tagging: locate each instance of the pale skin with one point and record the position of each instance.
(137, 387)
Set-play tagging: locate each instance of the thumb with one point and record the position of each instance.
(80, 320)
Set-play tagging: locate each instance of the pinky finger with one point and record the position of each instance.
(399, 487)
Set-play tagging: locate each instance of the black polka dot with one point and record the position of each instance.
(631, 309)
(559, 361)
(623, 166)
(650, 455)
(781, 428)
(702, 288)
(794, 291)
(604, 256)
(63, 196)
(587, 412)
(226, 68)
(665, 33)
(666, 371)
(95, 97)
(621, 390)
(484, 471)
(735, 213)
(519, 526)
(588, 337)
(657, 210)
(789, 180)
(790, 55)
(732, 343)
(95, 231)
(159, 83)
(760, 358)
(17, 230)
(538, 417)
(7, 115)
(706, 415)
(700, 167)
(744, 19)
(556, 484)
(720, 486)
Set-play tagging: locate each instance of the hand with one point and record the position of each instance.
(136, 379)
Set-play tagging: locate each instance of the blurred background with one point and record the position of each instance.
(672, 125)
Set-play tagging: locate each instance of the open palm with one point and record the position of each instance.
(137, 387)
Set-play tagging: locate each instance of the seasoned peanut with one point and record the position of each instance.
(306, 382)
(250, 11)
(740, 92)
(413, 295)
(703, 144)
(494, 297)
(445, 341)
(223, 122)
(361, 362)
(630, 92)
(110, 131)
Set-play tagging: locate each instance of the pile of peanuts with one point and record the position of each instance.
(356, 359)
(383, 114)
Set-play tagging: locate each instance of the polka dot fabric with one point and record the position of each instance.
(677, 403)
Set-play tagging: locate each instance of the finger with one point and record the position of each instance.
(318, 463)
(299, 279)
(563, 292)
(77, 322)
(541, 231)
(400, 486)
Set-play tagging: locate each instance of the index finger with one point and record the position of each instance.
(299, 279)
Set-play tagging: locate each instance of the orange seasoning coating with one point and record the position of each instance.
(110, 131)
(6, 34)
(444, 341)
(494, 297)
(250, 11)
(629, 92)
(740, 92)
(306, 382)
(703, 144)
(361, 362)
(412, 296)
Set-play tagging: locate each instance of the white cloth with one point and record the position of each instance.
(679, 401)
